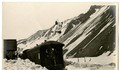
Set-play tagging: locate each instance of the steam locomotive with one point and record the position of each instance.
(48, 54)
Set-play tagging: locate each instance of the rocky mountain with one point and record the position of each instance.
(89, 34)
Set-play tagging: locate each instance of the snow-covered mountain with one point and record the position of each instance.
(87, 35)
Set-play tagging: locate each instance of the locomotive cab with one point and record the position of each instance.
(51, 55)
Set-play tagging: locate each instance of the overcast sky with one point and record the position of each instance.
(20, 20)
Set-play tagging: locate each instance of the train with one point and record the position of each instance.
(48, 54)
(10, 49)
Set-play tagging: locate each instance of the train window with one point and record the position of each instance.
(38, 55)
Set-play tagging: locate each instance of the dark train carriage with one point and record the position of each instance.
(32, 54)
(48, 54)
(10, 47)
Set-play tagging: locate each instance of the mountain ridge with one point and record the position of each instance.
(79, 34)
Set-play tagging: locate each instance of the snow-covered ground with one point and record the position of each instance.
(21, 64)
(102, 62)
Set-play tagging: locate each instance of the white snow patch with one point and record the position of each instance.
(102, 59)
(103, 62)
(20, 64)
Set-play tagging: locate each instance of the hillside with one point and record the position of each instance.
(89, 34)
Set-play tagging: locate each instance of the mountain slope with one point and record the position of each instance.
(87, 35)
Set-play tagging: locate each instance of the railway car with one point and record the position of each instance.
(49, 54)
(10, 48)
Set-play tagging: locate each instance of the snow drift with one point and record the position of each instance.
(20, 64)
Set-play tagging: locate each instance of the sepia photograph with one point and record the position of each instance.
(60, 36)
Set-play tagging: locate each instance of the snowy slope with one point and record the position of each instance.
(42, 35)
(85, 35)
(90, 35)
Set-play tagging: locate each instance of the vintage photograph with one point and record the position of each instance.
(60, 36)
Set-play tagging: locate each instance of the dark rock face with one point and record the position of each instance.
(98, 42)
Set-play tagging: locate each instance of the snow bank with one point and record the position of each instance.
(103, 62)
(20, 64)
(71, 67)
(102, 59)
